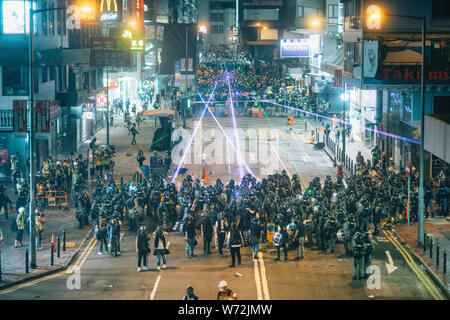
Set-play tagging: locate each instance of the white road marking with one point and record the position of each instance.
(155, 287)
(263, 276)
(257, 279)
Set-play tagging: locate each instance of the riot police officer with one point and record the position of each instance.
(331, 228)
(359, 250)
(207, 232)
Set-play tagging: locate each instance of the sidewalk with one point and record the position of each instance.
(13, 259)
(440, 228)
(351, 147)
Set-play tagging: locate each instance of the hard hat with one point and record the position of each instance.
(21, 210)
(222, 284)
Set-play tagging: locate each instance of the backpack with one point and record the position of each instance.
(13, 225)
(102, 224)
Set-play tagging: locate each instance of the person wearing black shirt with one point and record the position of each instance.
(190, 237)
(142, 248)
(255, 235)
(221, 230)
(236, 241)
(207, 232)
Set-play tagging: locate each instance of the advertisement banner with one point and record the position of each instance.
(190, 65)
(370, 58)
(177, 74)
(20, 115)
(337, 78)
(42, 116)
(54, 109)
(183, 64)
(294, 48)
(3, 150)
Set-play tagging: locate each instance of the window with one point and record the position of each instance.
(215, 17)
(52, 73)
(407, 107)
(333, 11)
(305, 12)
(216, 5)
(217, 28)
(441, 8)
(51, 19)
(15, 80)
(44, 19)
(44, 74)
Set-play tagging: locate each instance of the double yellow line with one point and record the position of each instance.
(435, 292)
(86, 252)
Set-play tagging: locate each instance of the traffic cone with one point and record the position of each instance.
(203, 172)
(53, 242)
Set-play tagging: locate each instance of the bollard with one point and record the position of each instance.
(0, 266)
(64, 240)
(353, 167)
(444, 267)
(121, 183)
(52, 262)
(424, 242)
(438, 246)
(305, 124)
(431, 249)
(26, 261)
(58, 247)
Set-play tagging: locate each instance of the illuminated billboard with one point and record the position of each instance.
(16, 17)
(294, 48)
(110, 10)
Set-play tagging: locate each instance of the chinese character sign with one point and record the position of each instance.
(20, 115)
(42, 116)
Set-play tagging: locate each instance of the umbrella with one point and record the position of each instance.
(253, 93)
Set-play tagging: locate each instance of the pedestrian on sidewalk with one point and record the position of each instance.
(160, 246)
(236, 240)
(20, 222)
(134, 132)
(40, 220)
(5, 202)
(142, 248)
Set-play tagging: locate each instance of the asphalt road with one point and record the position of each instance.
(319, 276)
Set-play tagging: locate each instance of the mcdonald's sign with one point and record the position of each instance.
(110, 10)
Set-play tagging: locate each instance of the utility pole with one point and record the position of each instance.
(237, 28)
(420, 236)
(31, 142)
(186, 64)
(107, 106)
(343, 122)
(155, 24)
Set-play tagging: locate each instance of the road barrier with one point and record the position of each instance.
(64, 239)
(54, 199)
(438, 246)
(58, 247)
(26, 261)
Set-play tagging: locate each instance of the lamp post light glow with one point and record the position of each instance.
(203, 29)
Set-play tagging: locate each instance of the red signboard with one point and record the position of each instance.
(338, 78)
(42, 116)
(190, 64)
(113, 85)
(102, 100)
(20, 115)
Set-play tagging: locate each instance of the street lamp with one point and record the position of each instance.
(374, 17)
